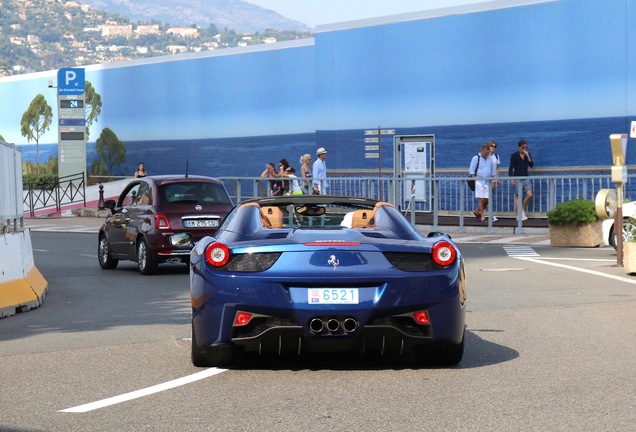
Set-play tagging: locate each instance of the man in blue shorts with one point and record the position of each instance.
(519, 163)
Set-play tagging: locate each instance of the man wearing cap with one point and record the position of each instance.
(319, 173)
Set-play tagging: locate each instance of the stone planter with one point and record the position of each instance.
(585, 235)
(629, 257)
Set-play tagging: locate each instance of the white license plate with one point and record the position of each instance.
(333, 296)
(208, 223)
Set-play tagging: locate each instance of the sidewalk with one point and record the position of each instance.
(503, 231)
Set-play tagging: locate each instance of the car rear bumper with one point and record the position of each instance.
(282, 322)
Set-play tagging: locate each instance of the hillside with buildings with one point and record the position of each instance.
(38, 35)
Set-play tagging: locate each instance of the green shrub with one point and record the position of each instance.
(39, 181)
(576, 212)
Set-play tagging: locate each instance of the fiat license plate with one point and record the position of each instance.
(201, 223)
(333, 296)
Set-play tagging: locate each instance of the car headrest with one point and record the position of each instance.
(362, 219)
(271, 217)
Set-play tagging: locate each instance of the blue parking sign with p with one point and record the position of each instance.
(71, 81)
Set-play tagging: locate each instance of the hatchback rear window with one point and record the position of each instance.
(193, 192)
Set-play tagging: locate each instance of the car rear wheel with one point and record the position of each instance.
(103, 254)
(440, 354)
(146, 262)
(212, 356)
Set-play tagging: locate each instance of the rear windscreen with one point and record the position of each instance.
(192, 192)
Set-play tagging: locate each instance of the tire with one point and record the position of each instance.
(440, 354)
(629, 232)
(146, 262)
(106, 261)
(212, 356)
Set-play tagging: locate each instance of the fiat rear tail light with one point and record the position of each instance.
(217, 254)
(444, 253)
(161, 221)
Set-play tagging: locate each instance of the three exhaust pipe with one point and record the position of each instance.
(333, 325)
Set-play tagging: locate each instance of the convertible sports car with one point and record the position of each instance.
(325, 274)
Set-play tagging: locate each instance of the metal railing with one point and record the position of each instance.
(445, 194)
(448, 194)
(66, 190)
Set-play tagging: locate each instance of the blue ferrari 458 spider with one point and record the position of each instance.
(311, 273)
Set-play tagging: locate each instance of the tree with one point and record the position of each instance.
(36, 120)
(110, 150)
(98, 169)
(1, 138)
(93, 105)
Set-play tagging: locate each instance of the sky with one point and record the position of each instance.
(321, 12)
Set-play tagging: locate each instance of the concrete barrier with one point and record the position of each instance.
(22, 286)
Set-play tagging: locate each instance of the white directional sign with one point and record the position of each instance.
(372, 155)
(372, 147)
(370, 140)
(382, 131)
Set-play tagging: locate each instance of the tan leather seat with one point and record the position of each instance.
(362, 219)
(272, 217)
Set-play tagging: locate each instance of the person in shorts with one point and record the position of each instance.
(482, 167)
(519, 163)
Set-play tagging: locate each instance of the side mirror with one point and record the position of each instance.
(110, 205)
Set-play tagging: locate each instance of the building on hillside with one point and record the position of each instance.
(183, 31)
(147, 29)
(176, 49)
(113, 30)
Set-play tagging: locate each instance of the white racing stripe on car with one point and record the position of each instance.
(145, 392)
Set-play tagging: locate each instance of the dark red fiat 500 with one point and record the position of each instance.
(151, 210)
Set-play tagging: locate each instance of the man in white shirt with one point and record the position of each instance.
(482, 166)
(319, 173)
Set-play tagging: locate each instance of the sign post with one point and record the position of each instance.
(618, 143)
(379, 132)
(71, 149)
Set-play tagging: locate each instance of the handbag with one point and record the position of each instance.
(471, 182)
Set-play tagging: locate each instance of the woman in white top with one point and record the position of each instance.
(305, 172)
(295, 187)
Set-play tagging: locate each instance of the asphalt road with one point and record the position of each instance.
(549, 347)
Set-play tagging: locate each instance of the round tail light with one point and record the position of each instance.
(217, 254)
(444, 253)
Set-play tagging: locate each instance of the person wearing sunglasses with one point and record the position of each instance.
(519, 163)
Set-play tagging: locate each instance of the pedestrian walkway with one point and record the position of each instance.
(91, 225)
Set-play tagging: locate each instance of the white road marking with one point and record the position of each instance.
(579, 259)
(592, 272)
(520, 251)
(145, 392)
